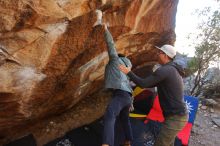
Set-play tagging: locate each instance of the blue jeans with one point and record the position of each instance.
(118, 107)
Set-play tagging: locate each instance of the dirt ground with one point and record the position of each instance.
(205, 131)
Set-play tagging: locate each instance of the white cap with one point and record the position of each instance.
(168, 50)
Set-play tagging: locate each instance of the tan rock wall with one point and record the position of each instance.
(51, 57)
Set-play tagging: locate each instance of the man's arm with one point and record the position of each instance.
(150, 81)
(110, 44)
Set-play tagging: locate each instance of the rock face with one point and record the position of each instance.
(51, 58)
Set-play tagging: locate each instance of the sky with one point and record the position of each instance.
(187, 22)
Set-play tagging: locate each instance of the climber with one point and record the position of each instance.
(169, 84)
(118, 84)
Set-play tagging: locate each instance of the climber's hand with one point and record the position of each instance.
(98, 18)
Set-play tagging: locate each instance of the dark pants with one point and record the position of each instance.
(119, 106)
(144, 134)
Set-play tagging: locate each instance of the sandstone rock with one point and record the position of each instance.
(210, 102)
(205, 115)
(52, 59)
(212, 110)
(203, 107)
(214, 115)
(216, 121)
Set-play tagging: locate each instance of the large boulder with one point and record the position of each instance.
(52, 60)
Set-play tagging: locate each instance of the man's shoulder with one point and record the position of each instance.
(164, 70)
(168, 67)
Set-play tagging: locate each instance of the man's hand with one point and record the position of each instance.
(124, 69)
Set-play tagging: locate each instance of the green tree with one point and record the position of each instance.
(207, 49)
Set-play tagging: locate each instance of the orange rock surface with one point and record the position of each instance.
(52, 60)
